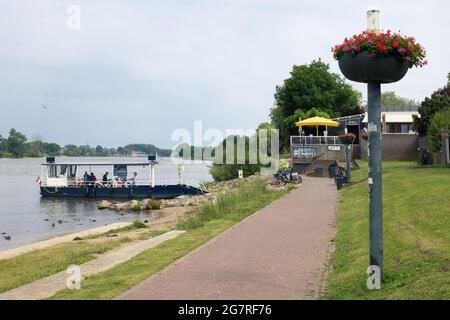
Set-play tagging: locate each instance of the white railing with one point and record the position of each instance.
(314, 140)
(113, 183)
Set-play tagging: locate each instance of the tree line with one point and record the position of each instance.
(16, 145)
(312, 90)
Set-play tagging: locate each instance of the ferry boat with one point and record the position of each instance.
(67, 180)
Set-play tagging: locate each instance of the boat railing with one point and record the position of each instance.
(315, 140)
(115, 183)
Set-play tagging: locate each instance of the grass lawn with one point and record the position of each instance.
(416, 213)
(38, 264)
(211, 220)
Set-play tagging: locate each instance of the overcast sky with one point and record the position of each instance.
(137, 70)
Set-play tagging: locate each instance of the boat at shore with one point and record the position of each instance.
(65, 180)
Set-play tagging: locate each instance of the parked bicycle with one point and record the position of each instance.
(425, 157)
(285, 176)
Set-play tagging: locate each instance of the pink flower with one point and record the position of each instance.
(401, 50)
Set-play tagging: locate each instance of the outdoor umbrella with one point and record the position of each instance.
(316, 122)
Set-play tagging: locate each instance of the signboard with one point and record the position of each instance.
(304, 152)
(120, 171)
(334, 148)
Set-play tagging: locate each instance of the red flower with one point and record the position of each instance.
(385, 44)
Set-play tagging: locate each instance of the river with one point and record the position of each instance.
(25, 217)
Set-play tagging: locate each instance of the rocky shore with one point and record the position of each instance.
(214, 189)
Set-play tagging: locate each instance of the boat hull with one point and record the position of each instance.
(160, 192)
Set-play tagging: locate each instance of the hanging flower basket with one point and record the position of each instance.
(347, 138)
(383, 57)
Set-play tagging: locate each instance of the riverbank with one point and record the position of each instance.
(25, 217)
(416, 218)
(233, 200)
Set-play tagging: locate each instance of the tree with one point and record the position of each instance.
(100, 151)
(441, 120)
(3, 145)
(71, 150)
(390, 99)
(16, 143)
(230, 167)
(52, 149)
(438, 101)
(35, 146)
(311, 86)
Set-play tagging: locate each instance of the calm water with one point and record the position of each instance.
(26, 218)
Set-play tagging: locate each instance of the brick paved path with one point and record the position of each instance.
(277, 253)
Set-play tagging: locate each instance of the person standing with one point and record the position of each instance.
(86, 178)
(133, 182)
(93, 179)
(105, 179)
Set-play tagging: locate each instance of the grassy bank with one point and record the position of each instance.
(38, 264)
(416, 236)
(41, 263)
(211, 220)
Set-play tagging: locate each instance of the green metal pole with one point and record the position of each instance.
(348, 172)
(375, 182)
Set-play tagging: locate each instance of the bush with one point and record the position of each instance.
(223, 172)
(440, 120)
(136, 206)
(154, 204)
(137, 224)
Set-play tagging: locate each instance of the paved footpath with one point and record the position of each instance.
(278, 253)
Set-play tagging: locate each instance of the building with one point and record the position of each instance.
(397, 119)
(399, 141)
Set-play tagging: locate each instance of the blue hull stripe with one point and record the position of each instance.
(168, 191)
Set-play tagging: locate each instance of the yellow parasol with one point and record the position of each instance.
(316, 122)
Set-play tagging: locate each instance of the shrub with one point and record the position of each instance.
(441, 120)
(136, 206)
(137, 224)
(154, 204)
(227, 206)
(223, 172)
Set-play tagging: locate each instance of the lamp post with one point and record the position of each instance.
(375, 157)
(374, 71)
(375, 58)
